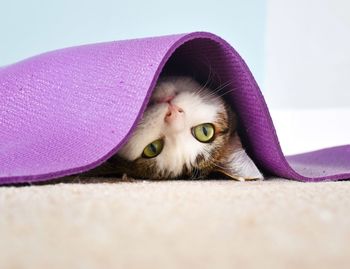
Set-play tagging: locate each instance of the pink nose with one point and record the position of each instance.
(174, 112)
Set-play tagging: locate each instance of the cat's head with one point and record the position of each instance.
(186, 131)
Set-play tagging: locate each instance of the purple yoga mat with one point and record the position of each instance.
(68, 111)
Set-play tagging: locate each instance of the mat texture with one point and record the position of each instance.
(68, 111)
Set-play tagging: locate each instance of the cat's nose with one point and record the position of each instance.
(174, 113)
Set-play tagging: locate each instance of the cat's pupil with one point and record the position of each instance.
(153, 148)
(205, 130)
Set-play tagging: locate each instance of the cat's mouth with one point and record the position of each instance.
(165, 99)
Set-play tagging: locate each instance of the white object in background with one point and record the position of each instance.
(307, 54)
(303, 130)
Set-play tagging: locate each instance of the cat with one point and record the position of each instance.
(187, 131)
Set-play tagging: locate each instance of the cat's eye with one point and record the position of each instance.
(153, 149)
(204, 132)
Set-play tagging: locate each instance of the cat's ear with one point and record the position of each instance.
(236, 163)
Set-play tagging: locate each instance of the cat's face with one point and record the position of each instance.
(181, 129)
(186, 131)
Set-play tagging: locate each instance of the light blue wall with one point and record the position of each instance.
(34, 26)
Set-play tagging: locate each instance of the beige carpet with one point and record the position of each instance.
(176, 224)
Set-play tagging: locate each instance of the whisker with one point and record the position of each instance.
(215, 92)
(200, 90)
(210, 159)
(219, 88)
(226, 92)
(192, 173)
(205, 60)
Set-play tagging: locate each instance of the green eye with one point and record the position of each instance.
(204, 132)
(153, 149)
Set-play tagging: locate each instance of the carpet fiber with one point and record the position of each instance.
(176, 224)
